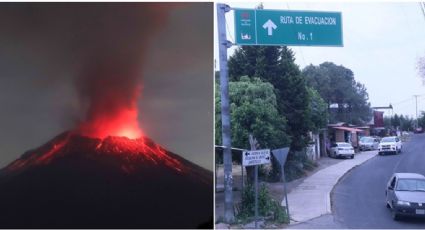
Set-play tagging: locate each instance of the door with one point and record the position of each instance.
(390, 191)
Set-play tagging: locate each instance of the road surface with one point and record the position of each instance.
(358, 200)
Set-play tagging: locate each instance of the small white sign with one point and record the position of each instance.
(256, 157)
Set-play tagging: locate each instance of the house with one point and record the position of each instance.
(344, 132)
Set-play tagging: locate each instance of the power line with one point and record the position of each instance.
(403, 101)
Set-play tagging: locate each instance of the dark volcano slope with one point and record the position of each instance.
(92, 183)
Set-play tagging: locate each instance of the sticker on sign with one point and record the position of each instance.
(256, 157)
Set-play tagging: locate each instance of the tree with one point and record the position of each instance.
(318, 110)
(276, 65)
(404, 123)
(421, 120)
(395, 121)
(336, 85)
(253, 111)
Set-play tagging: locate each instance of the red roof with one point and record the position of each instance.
(348, 129)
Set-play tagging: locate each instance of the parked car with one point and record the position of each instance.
(342, 149)
(368, 143)
(405, 195)
(418, 130)
(390, 145)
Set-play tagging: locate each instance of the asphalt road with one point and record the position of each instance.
(358, 200)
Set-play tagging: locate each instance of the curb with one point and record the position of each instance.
(329, 194)
(329, 205)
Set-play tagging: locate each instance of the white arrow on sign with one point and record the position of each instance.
(269, 26)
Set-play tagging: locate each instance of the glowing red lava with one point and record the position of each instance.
(113, 112)
(133, 153)
(122, 124)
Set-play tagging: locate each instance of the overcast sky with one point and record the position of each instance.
(382, 44)
(38, 99)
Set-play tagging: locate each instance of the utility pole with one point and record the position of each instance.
(224, 44)
(253, 142)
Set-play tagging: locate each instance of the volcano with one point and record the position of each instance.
(76, 181)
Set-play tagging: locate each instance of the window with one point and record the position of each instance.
(393, 182)
(411, 184)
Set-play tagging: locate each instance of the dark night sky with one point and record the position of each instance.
(38, 99)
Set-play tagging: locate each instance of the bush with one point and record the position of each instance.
(267, 207)
(296, 165)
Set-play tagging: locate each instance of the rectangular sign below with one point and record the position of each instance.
(256, 157)
(287, 27)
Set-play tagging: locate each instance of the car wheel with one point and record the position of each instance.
(352, 156)
(379, 153)
(394, 215)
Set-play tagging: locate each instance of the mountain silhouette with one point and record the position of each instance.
(75, 181)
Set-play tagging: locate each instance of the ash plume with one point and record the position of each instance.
(100, 46)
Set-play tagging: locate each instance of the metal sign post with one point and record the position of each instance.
(229, 216)
(256, 196)
(256, 157)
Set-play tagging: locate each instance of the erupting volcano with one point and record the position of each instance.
(104, 172)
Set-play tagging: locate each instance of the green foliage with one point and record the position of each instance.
(303, 107)
(297, 164)
(336, 84)
(267, 207)
(253, 111)
(421, 120)
(403, 123)
(275, 174)
(276, 65)
(318, 110)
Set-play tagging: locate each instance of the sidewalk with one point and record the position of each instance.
(311, 198)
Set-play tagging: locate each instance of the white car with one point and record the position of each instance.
(342, 149)
(390, 145)
(368, 143)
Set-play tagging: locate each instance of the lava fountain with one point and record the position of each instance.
(121, 121)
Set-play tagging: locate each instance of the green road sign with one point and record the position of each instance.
(288, 27)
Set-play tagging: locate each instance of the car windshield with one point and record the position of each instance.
(367, 140)
(411, 185)
(344, 145)
(388, 139)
